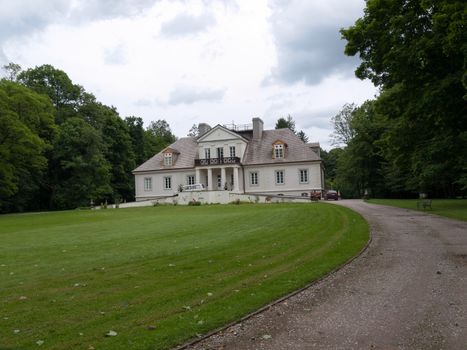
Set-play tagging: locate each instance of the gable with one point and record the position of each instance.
(219, 133)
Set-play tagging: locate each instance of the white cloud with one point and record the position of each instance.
(147, 58)
(190, 94)
(186, 24)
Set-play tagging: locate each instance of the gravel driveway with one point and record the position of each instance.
(407, 291)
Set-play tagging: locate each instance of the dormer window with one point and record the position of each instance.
(279, 149)
(168, 160)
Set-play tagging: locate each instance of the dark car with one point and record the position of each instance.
(331, 194)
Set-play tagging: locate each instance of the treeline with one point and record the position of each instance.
(412, 138)
(60, 148)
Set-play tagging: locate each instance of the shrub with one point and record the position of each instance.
(194, 203)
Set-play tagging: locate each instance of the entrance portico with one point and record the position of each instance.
(219, 178)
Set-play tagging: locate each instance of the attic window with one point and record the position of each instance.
(278, 150)
(168, 160)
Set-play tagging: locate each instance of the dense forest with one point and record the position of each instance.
(412, 138)
(60, 148)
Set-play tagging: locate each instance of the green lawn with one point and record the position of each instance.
(451, 208)
(67, 278)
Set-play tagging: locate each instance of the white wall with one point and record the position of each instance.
(221, 138)
(292, 185)
(178, 177)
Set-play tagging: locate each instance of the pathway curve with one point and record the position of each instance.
(407, 291)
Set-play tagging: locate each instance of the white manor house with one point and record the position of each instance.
(234, 160)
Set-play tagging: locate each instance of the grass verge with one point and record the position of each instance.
(159, 276)
(451, 208)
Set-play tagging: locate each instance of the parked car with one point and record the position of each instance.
(331, 194)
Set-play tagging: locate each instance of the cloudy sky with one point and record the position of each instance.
(192, 61)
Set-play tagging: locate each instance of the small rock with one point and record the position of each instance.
(266, 336)
(16, 331)
(80, 334)
(91, 347)
(438, 272)
(200, 322)
(111, 333)
(171, 265)
(209, 294)
(39, 342)
(152, 328)
(23, 297)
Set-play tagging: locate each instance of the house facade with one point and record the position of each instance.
(239, 159)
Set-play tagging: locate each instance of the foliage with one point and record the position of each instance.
(283, 123)
(289, 123)
(12, 70)
(26, 133)
(60, 147)
(157, 136)
(194, 132)
(181, 269)
(343, 131)
(415, 51)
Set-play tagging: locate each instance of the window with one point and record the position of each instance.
(279, 151)
(220, 152)
(254, 178)
(167, 183)
(191, 179)
(167, 158)
(207, 153)
(303, 176)
(148, 184)
(279, 177)
(232, 151)
(305, 194)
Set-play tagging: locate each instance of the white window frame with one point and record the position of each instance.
(280, 179)
(232, 151)
(303, 179)
(279, 151)
(147, 183)
(167, 182)
(254, 178)
(168, 159)
(207, 153)
(190, 180)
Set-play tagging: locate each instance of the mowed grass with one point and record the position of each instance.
(451, 208)
(67, 278)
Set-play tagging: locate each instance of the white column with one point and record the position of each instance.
(198, 177)
(236, 182)
(222, 178)
(210, 179)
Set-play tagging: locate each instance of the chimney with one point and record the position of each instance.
(203, 128)
(257, 128)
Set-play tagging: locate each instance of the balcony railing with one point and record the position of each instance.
(217, 161)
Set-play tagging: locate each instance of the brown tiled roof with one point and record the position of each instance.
(188, 149)
(260, 151)
(257, 152)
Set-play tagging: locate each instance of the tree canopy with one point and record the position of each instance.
(62, 147)
(415, 131)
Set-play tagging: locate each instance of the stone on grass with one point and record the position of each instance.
(111, 333)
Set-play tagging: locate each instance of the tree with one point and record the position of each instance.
(157, 136)
(343, 131)
(302, 136)
(194, 132)
(26, 132)
(56, 84)
(415, 51)
(81, 171)
(283, 123)
(136, 132)
(12, 70)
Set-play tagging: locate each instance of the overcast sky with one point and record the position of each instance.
(214, 61)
